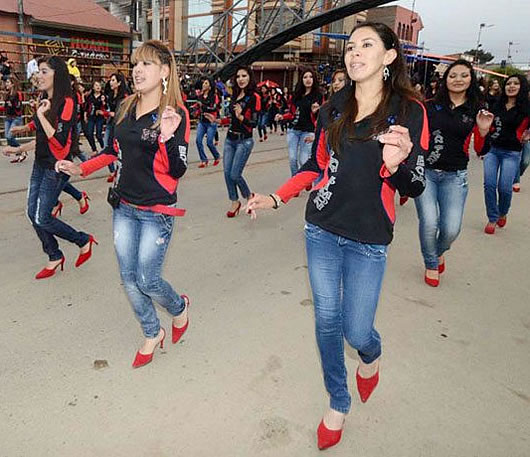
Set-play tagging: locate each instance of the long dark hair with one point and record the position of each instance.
(61, 86)
(521, 101)
(397, 84)
(473, 94)
(299, 90)
(122, 88)
(236, 90)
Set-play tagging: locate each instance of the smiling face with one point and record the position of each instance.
(366, 55)
(339, 81)
(513, 86)
(242, 78)
(45, 77)
(458, 79)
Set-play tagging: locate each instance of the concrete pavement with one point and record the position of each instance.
(246, 378)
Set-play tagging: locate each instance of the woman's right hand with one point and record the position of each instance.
(259, 201)
(10, 150)
(278, 118)
(67, 167)
(15, 130)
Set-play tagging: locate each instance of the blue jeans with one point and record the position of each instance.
(44, 188)
(109, 138)
(440, 211)
(71, 190)
(209, 129)
(95, 123)
(12, 122)
(500, 168)
(262, 124)
(141, 239)
(525, 161)
(346, 278)
(235, 156)
(299, 150)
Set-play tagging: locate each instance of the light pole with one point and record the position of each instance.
(482, 26)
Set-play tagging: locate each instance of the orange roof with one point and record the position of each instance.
(83, 14)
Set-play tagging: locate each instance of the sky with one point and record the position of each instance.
(452, 26)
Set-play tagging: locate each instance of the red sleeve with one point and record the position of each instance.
(479, 141)
(291, 110)
(104, 158)
(61, 140)
(32, 127)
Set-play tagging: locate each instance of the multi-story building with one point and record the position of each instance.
(405, 23)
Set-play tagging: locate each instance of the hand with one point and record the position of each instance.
(526, 136)
(67, 167)
(397, 146)
(17, 129)
(258, 202)
(99, 112)
(209, 117)
(44, 107)
(170, 122)
(484, 120)
(309, 139)
(315, 107)
(10, 150)
(33, 103)
(278, 118)
(238, 110)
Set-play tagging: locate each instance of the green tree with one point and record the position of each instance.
(508, 70)
(482, 56)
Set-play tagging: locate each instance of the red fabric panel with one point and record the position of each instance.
(387, 198)
(68, 109)
(522, 128)
(59, 151)
(161, 169)
(296, 184)
(188, 126)
(94, 164)
(424, 139)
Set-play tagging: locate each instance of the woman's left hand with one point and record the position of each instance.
(397, 146)
(170, 122)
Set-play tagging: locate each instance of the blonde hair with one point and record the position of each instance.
(158, 52)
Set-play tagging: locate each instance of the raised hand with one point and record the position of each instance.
(484, 120)
(44, 106)
(397, 146)
(170, 122)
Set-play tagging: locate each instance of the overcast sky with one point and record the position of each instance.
(452, 26)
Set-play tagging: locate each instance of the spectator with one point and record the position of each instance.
(32, 67)
(72, 68)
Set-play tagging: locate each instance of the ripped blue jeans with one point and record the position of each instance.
(141, 239)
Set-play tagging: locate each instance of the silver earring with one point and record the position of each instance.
(164, 84)
(386, 73)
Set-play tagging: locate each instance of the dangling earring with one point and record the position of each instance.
(164, 84)
(386, 73)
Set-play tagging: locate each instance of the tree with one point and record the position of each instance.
(482, 56)
(508, 70)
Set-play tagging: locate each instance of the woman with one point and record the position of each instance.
(302, 112)
(370, 140)
(493, 95)
(55, 127)
(455, 115)
(244, 110)
(433, 88)
(525, 161)
(94, 119)
(13, 112)
(338, 81)
(118, 92)
(263, 115)
(504, 156)
(209, 105)
(150, 145)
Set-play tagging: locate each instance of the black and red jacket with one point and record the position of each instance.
(148, 170)
(13, 105)
(507, 128)
(354, 196)
(301, 115)
(251, 107)
(451, 133)
(265, 102)
(210, 104)
(95, 103)
(58, 147)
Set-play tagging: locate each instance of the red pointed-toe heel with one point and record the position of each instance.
(216, 162)
(178, 332)
(83, 257)
(49, 272)
(203, 164)
(366, 386)
(441, 267)
(56, 212)
(502, 221)
(234, 213)
(326, 437)
(490, 228)
(84, 207)
(143, 359)
(403, 200)
(431, 281)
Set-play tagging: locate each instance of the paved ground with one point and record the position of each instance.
(246, 378)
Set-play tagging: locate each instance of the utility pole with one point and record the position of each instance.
(21, 30)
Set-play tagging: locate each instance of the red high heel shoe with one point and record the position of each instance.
(84, 207)
(48, 272)
(366, 386)
(490, 228)
(203, 164)
(326, 437)
(83, 257)
(432, 281)
(58, 209)
(178, 332)
(234, 213)
(143, 359)
(216, 162)
(502, 221)
(403, 200)
(111, 177)
(441, 267)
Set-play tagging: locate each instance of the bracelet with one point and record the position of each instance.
(163, 139)
(276, 204)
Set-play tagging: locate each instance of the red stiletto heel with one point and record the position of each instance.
(234, 213)
(441, 267)
(86, 255)
(203, 164)
(431, 281)
(143, 359)
(48, 272)
(502, 221)
(58, 209)
(326, 437)
(490, 228)
(178, 332)
(366, 386)
(216, 162)
(84, 207)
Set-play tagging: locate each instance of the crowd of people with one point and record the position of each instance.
(352, 149)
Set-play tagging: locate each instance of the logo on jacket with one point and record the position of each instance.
(150, 135)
